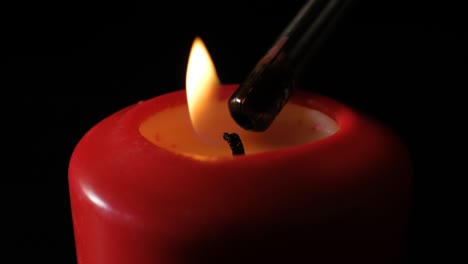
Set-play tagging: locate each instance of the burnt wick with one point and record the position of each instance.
(235, 143)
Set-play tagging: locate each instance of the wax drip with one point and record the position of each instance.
(235, 143)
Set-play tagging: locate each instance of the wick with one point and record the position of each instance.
(235, 143)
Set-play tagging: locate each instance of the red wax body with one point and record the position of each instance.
(342, 199)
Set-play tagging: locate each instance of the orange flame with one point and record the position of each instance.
(201, 87)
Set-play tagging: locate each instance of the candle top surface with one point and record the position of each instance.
(171, 129)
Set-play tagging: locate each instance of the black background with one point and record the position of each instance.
(68, 65)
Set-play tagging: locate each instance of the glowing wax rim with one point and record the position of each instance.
(346, 119)
(172, 129)
(343, 116)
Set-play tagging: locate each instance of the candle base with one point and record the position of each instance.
(343, 198)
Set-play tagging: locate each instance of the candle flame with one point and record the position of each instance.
(201, 87)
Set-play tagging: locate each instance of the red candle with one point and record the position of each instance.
(156, 183)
